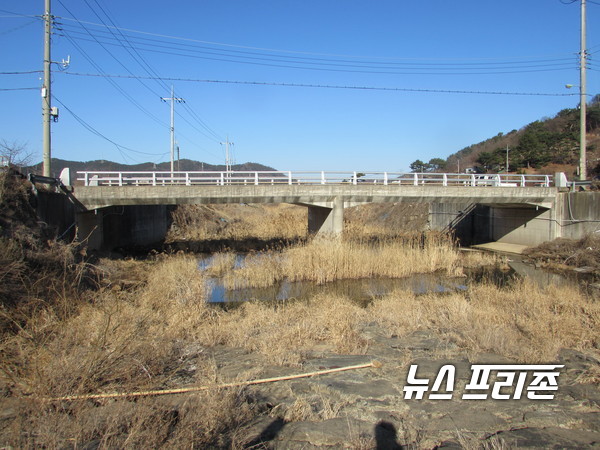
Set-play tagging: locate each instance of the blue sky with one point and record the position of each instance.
(513, 46)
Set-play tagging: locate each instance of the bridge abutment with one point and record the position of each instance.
(122, 226)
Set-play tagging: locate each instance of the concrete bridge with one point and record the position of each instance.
(524, 209)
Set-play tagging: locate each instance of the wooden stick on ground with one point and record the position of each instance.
(374, 364)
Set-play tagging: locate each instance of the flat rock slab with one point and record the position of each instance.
(365, 408)
(328, 433)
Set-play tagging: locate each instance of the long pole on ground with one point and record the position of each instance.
(46, 97)
(582, 97)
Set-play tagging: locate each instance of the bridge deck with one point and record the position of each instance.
(93, 197)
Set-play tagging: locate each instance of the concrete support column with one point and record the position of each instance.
(90, 228)
(326, 220)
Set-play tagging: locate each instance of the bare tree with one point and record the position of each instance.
(14, 153)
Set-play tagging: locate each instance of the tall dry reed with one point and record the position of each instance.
(525, 321)
(238, 222)
(325, 260)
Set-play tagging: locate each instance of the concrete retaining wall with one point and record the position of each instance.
(574, 215)
(123, 226)
(580, 214)
(58, 212)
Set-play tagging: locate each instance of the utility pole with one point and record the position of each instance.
(506, 158)
(172, 99)
(582, 98)
(227, 159)
(46, 96)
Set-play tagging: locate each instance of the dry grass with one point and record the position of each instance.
(238, 222)
(563, 252)
(325, 260)
(118, 343)
(525, 321)
(149, 338)
(287, 334)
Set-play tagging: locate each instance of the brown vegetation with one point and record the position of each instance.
(568, 253)
(238, 222)
(325, 260)
(158, 335)
(525, 322)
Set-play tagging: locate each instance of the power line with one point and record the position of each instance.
(362, 67)
(422, 62)
(143, 63)
(10, 30)
(14, 14)
(280, 50)
(328, 86)
(26, 72)
(19, 89)
(93, 130)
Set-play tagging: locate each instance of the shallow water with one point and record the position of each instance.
(367, 289)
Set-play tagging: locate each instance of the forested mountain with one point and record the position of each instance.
(542, 146)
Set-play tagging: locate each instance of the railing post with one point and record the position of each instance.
(354, 179)
(322, 177)
(85, 178)
(416, 179)
(547, 181)
(153, 178)
(256, 178)
(222, 179)
(290, 177)
(444, 180)
(472, 179)
(498, 183)
(187, 179)
(522, 180)
(385, 179)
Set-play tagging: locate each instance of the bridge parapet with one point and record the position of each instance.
(310, 178)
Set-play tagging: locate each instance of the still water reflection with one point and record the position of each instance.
(367, 289)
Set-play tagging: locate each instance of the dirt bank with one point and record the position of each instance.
(561, 254)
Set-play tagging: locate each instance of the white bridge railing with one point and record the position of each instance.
(309, 178)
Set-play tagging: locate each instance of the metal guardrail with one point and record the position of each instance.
(310, 178)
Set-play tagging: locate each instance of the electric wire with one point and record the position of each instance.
(133, 52)
(24, 72)
(94, 131)
(14, 14)
(278, 50)
(287, 58)
(106, 49)
(406, 69)
(11, 30)
(328, 86)
(19, 89)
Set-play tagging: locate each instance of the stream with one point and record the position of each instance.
(367, 289)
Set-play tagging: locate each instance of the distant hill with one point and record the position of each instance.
(544, 146)
(185, 165)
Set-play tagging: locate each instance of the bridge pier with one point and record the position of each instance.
(326, 218)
